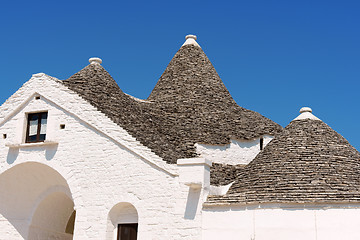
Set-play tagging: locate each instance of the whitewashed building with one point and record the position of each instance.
(80, 159)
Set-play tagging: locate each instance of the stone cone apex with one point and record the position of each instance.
(191, 40)
(306, 113)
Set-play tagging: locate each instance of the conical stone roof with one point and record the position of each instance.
(307, 163)
(191, 85)
(95, 85)
(189, 105)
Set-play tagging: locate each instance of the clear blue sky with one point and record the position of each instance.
(273, 56)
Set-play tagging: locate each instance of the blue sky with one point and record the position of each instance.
(273, 56)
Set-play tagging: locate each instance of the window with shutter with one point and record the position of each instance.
(36, 127)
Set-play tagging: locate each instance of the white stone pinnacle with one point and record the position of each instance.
(95, 60)
(306, 113)
(191, 36)
(191, 40)
(305, 109)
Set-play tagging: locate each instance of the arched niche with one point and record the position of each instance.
(123, 213)
(51, 218)
(26, 190)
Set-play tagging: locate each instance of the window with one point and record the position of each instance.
(127, 231)
(36, 127)
(261, 143)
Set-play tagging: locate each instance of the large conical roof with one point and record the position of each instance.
(307, 162)
(190, 83)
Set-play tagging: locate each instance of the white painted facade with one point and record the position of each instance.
(94, 167)
(274, 222)
(236, 152)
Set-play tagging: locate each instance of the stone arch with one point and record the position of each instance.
(121, 213)
(51, 217)
(27, 192)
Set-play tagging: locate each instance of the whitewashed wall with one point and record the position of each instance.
(96, 162)
(237, 152)
(282, 222)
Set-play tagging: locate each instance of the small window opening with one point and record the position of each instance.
(36, 127)
(261, 143)
(62, 126)
(127, 231)
(37, 97)
(4, 136)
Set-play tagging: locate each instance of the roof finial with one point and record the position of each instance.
(305, 109)
(95, 60)
(191, 40)
(191, 36)
(306, 113)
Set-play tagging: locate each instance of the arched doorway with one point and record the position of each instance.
(123, 222)
(35, 202)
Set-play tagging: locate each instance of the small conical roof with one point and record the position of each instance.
(94, 80)
(95, 85)
(308, 162)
